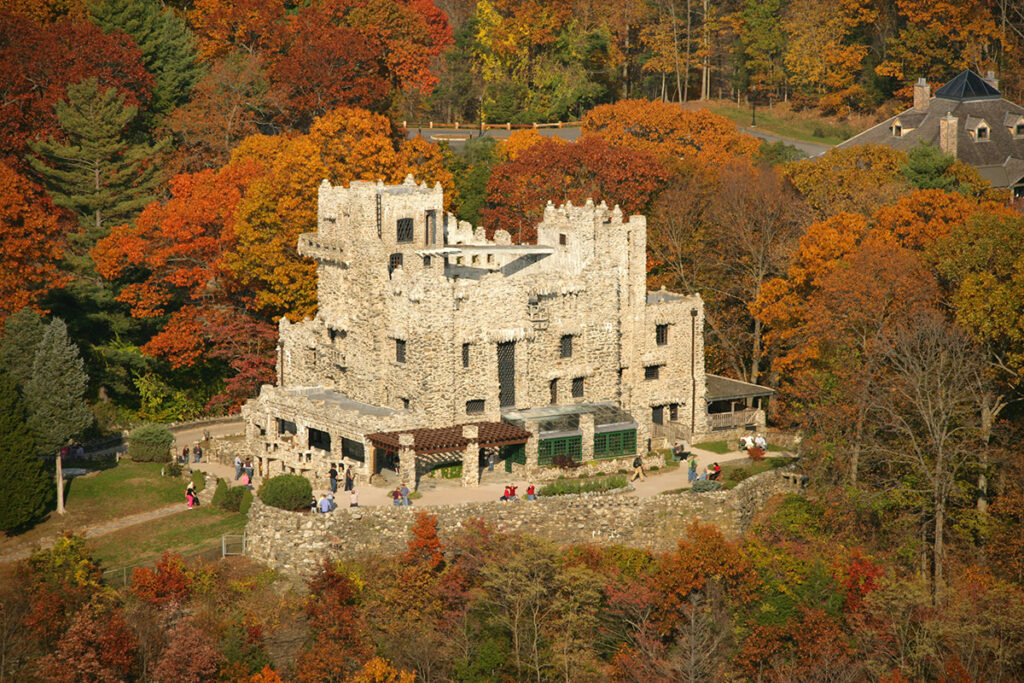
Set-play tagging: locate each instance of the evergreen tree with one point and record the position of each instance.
(22, 332)
(55, 393)
(167, 45)
(926, 168)
(97, 174)
(25, 488)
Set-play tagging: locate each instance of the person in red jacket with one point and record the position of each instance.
(531, 492)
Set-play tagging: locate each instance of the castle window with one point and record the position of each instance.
(286, 426)
(426, 261)
(652, 371)
(565, 346)
(562, 239)
(661, 334)
(475, 406)
(658, 415)
(334, 334)
(982, 133)
(400, 350)
(405, 230)
(465, 355)
(553, 388)
(577, 387)
(405, 404)
(394, 262)
(319, 439)
(673, 412)
(430, 234)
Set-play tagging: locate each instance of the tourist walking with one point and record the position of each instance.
(405, 494)
(350, 480)
(191, 498)
(638, 469)
(238, 467)
(332, 474)
(692, 469)
(248, 468)
(396, 497)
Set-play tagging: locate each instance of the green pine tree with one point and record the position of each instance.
(26, 490)
(167, 45)
(22, 332)
(926, 168)
(97, 174)
(55, 393)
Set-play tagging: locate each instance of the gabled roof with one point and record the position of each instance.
(966, 87)
(727, 389)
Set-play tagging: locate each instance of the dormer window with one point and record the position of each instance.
(897, 130)
(1018, 130)
(982, 133)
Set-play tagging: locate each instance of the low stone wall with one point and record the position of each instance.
(295, 542)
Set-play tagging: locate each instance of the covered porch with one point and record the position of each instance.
(418, 449)
(734, 405)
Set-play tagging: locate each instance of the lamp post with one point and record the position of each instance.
(60, 483)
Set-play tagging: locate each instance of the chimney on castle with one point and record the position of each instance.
(947, 134)
(922, 94)
(991, 79)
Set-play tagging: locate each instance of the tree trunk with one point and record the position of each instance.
(705, 79)
(938, 551)
(675, 49)
(755, 352)
(686, 63)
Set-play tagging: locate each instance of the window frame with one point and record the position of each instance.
(661, 334)
(652, 372)
(577, 387)
(476, 406)
(405, 231)
(401, 351)
(565, 346)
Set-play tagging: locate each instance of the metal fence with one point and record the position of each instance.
(230, 545)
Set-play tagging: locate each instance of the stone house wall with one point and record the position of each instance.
(296, 542)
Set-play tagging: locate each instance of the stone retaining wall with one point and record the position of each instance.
(295, 542)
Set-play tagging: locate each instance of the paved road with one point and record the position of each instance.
(811, 149)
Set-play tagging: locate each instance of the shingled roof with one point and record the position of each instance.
(970, 99)
(446, 439)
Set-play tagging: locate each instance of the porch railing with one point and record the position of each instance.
(739, 418)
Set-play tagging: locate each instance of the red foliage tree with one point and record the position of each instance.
(37, 63)
(98, 646)
(169, 581)
(591, 168)
(424, 545)
(333, 613)
(190, 655)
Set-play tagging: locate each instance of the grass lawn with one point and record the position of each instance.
(781, 121)
(720, 447)
(184, 532)
(734, 473)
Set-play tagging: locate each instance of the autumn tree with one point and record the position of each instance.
(190, 656)
(34, 238)
(854, 179)
(591, 168)
(97, 646)
(223, 26)
(334, 616)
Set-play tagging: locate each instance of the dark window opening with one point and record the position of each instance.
(334, 334)
(562, 240)
(652, 371)
(553, 388)
(1019, 129)
(286, 426)
(405, 231)
(426, 261)
(405, 404)
(577, 387)
(565, 346)
(658, 415)
(897, 131)
(673, 412)
(319, 439)
(474, 406)
(661, 334)
(353, 450)
(400, 350)
(982, 133)
(430, 234)
(394, 262)
(506, 374)
(465, 355)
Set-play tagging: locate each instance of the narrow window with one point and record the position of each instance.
(553, 388)
(897, 131)
(405, 230)
(651, 371)
(465, 355)
(474, 407)
(1019, 130)
(661, 334)
(658, 415)
(982, 133)
(673, 412)
(562, 240)
(405, 404)
(394, 262)
(565, 346)
(400, 350)
(430, 234)
(426, 261)
(577, 387)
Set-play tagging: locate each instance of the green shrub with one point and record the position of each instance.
(246, 502)
(198, 480)
(220, 493)
(562, 487)
(150, 443)
(287, 491)
(705, 485)
(172, 469)
(449, 472)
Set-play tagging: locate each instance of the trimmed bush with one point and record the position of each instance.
(220, 494)
(246, 502)
(287, 491)
(233, 498)
(150, 443)
(563, 487)
(198, 480)
(705, 485)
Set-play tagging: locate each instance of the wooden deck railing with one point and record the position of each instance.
(740, 418)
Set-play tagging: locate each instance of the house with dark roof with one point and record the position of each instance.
(967, 118)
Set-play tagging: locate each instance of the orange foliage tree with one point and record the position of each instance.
(338, 630)
(670, 133)
(554, 171)
(221, 26)
(32, 241)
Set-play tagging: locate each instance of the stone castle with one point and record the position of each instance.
(433, 345)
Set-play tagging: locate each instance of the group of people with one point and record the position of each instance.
(328, 504)
(244, 470)
(510, 493)
(749, 443)
(197, 454)
(400, 496)
(712, 472)
(350, 478)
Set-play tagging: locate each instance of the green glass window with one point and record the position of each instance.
(615, 444)
(550, 449)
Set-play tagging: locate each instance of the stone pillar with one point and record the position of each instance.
(643, 433)
(471, 456)
(369, 459)
(948, 134)
(587, 426)
(533, 427)
(407, 459)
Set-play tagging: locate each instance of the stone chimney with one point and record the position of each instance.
(947, 134)
(991, 79)
(922, 94)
